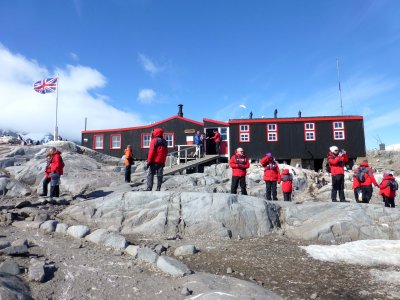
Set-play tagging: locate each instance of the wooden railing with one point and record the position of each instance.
(184, 153)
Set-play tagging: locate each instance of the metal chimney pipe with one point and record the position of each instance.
(180, 112)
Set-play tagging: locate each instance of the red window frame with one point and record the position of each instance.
(142, 140)
(244, 132)
(94, 141)
(338, 129)
(173, 138)
(308, 131)
(272, 131)
(120, 141)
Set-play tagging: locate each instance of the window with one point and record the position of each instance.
(169, 137)
(272, 132)
(98, 141)
(309, 132)
(272, 137)
(338, 135)
(309, 126)
(338, 125)
(244, 133)
(338, 130)
(224, 134)
(272, 127)
(310, 136)
(115, 141)
(146, 138)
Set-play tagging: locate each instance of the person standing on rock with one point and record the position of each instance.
(287, 185)
(387, 189)
(47, 175)
(337, 161)
(366, 178)
(156, 158)
(217, 140)
(128, 163)
(56, 169)
(272, 176)
(239, 163)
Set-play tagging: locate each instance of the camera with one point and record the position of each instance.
(342, 151)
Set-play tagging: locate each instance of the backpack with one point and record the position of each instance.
(394, 186)
(361, 174)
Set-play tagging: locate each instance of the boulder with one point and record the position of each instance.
(78, 231)
(172, 266)
(13, 288)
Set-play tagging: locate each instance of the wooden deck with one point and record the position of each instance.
(190, 164)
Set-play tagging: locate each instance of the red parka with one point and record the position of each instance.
(287, 181)
(47, 169)
(384, 187)
(239, 164)
(217, 137)
(57, 164)
(337, 162)
(271, 169)
(128, 156)
(369, 176)
(158, 150)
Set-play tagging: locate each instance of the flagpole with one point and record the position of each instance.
(56, 128)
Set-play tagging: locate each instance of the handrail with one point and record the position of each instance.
(185, 157)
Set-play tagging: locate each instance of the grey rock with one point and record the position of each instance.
(49, 226)
(61, 228)
(185, 291)
(172, 266)
(23, 203)
(160, 249)
(185, 250)
(229, 270)
(78, 231)
(132, 250)
(20, 242)
(107, 238)
(15, 250)
(13, 288)
(9, 267)
(27, 224)
(4, 244)
(148, 255)
(36, 270)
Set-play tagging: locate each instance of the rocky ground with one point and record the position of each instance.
(78, 269)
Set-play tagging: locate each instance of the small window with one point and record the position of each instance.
(98, 142)
(310, 136)
(309, 126)
(115, 141)
(338, 135)
(244, 128)
(338, 125)
(244, 137)
(271, 127)
(169, 137)
(146, 139)
(272, 137)
(224, 134)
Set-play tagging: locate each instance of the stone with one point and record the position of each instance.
(229, 270)
(172, 266)
(132, 250)
(27, 224)
(13, 288)
(148, 255)
(107, 238)
(41, 217)
(20, 242)
(160, 249)
(49, 226)
(9, 267)
(185, 291)
(15, 250)
(23, 203)
(61, 228)
(4, 244)
(185, 250)
(36, 270)
(78, 231)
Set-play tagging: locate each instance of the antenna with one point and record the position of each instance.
(340, 89)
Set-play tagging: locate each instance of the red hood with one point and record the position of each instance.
(388, 177)
(364, 164)
(158, 132)
(285, 172)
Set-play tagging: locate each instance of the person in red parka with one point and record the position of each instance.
(387, 189)
(366, 178)
(356, 186)
(287, 185)
(56, 170)
(337, 160)
(217, 140)
(156, 158)
(239, 164)
(272, 176)
(128, 163)
(47, 175)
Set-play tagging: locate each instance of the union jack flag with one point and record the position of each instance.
(44, 86)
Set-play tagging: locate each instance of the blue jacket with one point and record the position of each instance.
(197, 140)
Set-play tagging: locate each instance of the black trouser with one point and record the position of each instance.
(287, 196)
(271, 190)
(153, 170)
(338, 186)
(46, 182)
(389, 201)
(217, 147)
(366, 193)
(128, 173)
(356, 192)
(55, 185)
(235, 182)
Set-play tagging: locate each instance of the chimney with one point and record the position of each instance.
(299, 113)
(180, 112)
(275, 113)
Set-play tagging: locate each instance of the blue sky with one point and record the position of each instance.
(128, 63)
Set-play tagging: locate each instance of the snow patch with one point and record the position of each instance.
(392, 277)
(394, 147)
(366, 252)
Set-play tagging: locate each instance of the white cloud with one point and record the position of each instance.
(148, 65)
(22, 109)
(146, 96)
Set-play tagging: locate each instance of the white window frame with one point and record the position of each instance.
(99, 139)
(244, 137)
(338, 125)
(244, 128)
(343, 137)
(310, 138)
(274, 127)
(170, 141)
(272, 136)
(224, 133)
(118, 142)
(309, 126)
(146, 142)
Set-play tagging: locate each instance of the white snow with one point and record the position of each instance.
(386, 276)
(394, 147)
(366, 252)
